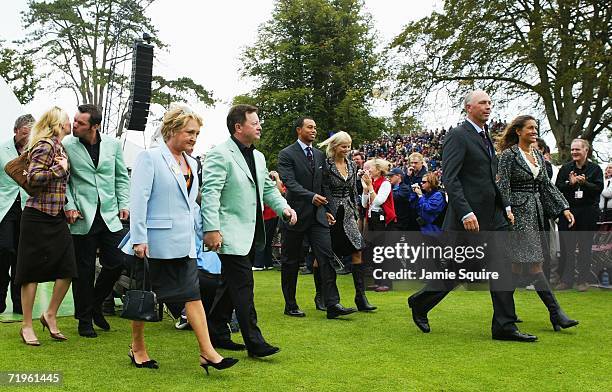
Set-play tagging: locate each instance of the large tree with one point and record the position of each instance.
(17, 69)
(82, 41)
(555, 52)
(316, 58)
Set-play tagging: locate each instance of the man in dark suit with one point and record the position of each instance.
(301, 169)
(475, 204)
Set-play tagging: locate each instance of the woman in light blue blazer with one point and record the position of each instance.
(163, 222)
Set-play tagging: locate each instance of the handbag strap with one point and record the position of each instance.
(145, 262)
(146, 272)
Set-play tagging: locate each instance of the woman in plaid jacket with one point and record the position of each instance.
(45, 251)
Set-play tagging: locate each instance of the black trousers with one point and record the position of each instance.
(376, 227)
(239, 279)
(87, 296)
(320, 242)
(9, 243)
(504, 314)
(218, 305)
(8, 264)
(582, 236)
(263, 258)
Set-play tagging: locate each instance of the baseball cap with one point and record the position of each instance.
(395, 170)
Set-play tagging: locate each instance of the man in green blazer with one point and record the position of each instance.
(98, 200)
(12, 201)
(235, 187)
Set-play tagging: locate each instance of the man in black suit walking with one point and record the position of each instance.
(475, 204)
(301, 169)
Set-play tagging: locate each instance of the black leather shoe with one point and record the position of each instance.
(229, 345)
(516, 336)
(419, 318)
(86, 330)
(100, 321)
(319, 303)
(264, 352)
(295, 313)
(338, 310)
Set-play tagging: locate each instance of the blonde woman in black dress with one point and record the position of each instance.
(523, 182)
(340, 188)
(45, 252)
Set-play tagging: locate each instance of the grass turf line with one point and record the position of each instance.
(380, 351)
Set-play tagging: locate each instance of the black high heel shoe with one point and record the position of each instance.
(150, 364)
(224, 364)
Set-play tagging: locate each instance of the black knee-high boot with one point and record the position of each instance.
(360, 298)
(558, 318)
(319, 301)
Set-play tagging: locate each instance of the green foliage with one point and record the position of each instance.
(182, 89)
(17, 69)
(77, 40)
(315, 58)
(401, 123)
(556, 54)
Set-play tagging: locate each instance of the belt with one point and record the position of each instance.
(532, 187)
(340, 194)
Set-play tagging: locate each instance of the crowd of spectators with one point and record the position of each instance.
(396, 148)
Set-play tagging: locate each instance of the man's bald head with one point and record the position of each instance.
(478, 106)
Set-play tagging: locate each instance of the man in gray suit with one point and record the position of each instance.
(475, 204)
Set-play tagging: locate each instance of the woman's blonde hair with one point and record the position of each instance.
(176, 119)
(382, 165)
(334, 141)
(416, 155)
(50, 124)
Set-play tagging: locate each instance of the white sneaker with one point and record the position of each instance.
(257, 268)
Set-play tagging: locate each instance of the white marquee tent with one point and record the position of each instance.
(11, 109)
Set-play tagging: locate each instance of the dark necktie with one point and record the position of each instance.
(310, 157)
(486, 142)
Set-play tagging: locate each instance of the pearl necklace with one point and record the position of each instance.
(530, 152)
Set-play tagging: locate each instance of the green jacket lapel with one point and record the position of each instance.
(239, 158)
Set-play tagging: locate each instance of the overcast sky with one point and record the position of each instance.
(206, 40)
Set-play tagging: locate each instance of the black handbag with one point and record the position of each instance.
(140, 305)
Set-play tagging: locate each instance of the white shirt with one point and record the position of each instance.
(606, 194)
(535, 170)
(383, 193)
(304, 146)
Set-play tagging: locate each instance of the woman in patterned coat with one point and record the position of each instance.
(340, 187)
(524, 184)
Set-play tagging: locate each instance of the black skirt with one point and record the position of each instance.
(45, 250)
(341, 244)
(172, 280)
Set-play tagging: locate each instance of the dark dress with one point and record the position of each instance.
(45, 250)
(532, 200)
(340, 194)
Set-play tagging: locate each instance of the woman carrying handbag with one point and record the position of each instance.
(164, 217)
(45, 252)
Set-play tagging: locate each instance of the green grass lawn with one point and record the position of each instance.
(381, 351)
